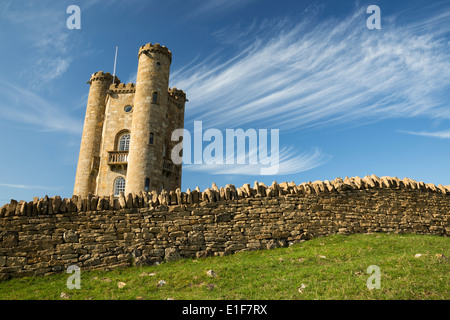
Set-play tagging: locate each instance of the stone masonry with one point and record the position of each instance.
(47, 235)
(126, 138)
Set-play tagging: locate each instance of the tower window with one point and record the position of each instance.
(124, 142)
(147, 184)
(158, 63)
(162, 186)
(164, 150)
(155, 96)
(151, 140)
(119, 186)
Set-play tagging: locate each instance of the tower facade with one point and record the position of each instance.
(126, 142)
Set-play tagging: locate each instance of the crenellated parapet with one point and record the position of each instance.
(149, 47)
(102, 76)
(122, 88)
(177, 95)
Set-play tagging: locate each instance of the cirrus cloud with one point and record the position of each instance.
(298, 75)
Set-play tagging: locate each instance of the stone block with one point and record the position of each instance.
(223, 217)
(171, 254)
(2, 261)
(70, 236)
(16, 261)
(177, 234)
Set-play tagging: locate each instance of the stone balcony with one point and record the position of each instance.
(167, 166)
(118, 158)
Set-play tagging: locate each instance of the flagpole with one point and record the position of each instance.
(115, 60)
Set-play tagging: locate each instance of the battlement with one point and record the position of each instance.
(177, 94)
(122, 88)
(102, 76)
(155, 48)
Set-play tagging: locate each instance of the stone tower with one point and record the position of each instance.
(126, 141)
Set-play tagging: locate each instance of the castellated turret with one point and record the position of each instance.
(126, 143)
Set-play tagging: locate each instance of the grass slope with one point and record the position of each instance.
(333, 267)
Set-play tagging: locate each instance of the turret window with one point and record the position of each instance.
(155, 96)
(147, 184)
(152, 138)
(165, 150)
(119, 186)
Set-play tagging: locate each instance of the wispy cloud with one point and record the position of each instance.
(132, 78)
(22, 105)
(22, 186)
(444, 134)
(209, 7)
(290, 161)
(46, 36)
(297, 75)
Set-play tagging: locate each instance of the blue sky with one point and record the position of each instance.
(348, 101)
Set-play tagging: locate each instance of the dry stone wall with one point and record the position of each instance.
(47, 235)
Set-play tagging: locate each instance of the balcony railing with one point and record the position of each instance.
(118, 157)
(168, 165)
(121, 158)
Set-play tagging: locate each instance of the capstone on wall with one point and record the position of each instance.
(49, 234)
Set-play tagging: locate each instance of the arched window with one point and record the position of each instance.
(119, 185)
(155, 96)
(147, 184)
(124, 142)
(164, 150)
(152, 138)
(162, 186)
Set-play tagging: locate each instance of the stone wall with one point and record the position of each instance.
(47, 235)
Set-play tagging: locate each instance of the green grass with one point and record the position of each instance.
(271, 274)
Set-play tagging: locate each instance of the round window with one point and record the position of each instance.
(128, 108)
